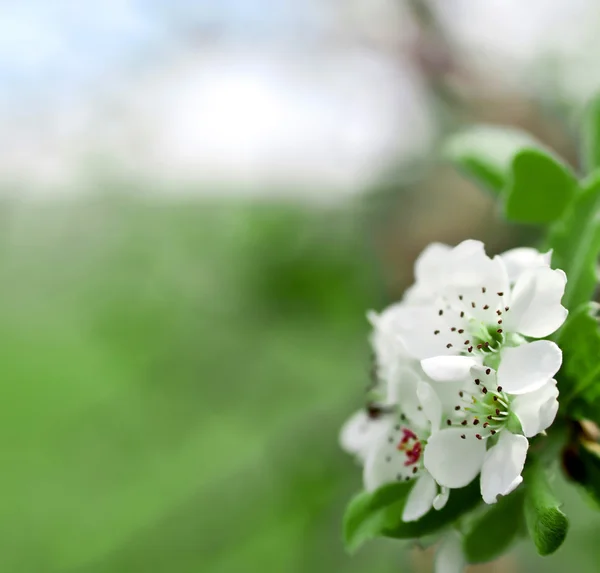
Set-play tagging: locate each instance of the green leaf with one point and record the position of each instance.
(546, 523)
(588, 470)
(379, 513)
(540, 187)
(575, 240)
(579, 340)
(591, 136)
(367, 512)
(484, 153)
(491, 534)
(461, 501)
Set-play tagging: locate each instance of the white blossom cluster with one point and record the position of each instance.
(462, 378)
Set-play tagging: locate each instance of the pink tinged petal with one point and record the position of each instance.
(537, 410)
(420, 499)
(441, 499)
(522, 259)
(502, 467)
(535, 308)
(528, 367)
(451, 460)
(448, 368)
(449, 557)
(432, 407)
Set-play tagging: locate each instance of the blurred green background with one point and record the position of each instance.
(199, 203)
(175, 379)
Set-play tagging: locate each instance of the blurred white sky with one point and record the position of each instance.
(251, 94)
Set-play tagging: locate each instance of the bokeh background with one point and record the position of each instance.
(200, 200)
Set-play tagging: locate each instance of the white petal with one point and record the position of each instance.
(441, 499)
(420, 498)
(432, 407)
(426, 333)
(448, 368)
(452, 461)
(537, 410)
(357, 433)
(447, 393)
(488, 376)
(474, 280)
(449, 557)
(535, 308)
(385, 341)
(528, 367)
(521, 259)
(402, 391)
(502, 467)
(384, 462)
(428, 263)
(428, 272)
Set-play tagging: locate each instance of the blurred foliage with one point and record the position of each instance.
(175, 377)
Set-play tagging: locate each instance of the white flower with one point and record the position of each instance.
(449, 557)
(358, 432)
(486, 429)
(390, 352)
(429, 268)
(478, 312)
(517, 261)
(389, 439)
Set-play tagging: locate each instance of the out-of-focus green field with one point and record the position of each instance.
(175, 375)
